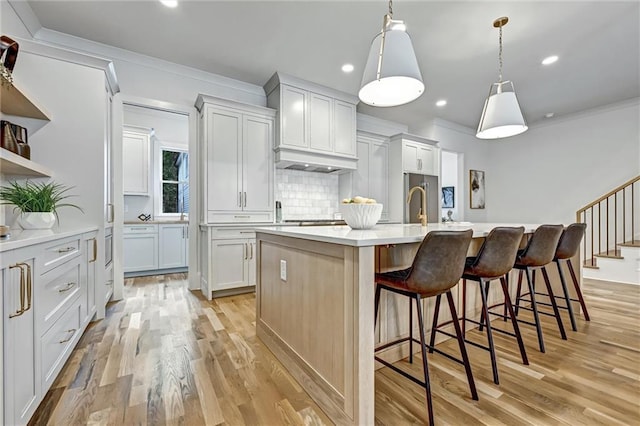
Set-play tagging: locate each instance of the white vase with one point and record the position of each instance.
(37, 220)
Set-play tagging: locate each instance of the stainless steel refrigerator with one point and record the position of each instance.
(431, 186)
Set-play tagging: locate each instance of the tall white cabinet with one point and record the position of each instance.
(236, 172)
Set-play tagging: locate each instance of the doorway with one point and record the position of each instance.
(452, 186)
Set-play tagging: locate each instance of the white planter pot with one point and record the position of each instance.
(43, 220)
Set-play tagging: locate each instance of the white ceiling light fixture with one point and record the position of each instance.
(347, 68)
(441, 103)
(501, 115)
(392, 76)
(170, 3)
(550, 60)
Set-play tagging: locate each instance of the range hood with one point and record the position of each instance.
(295, 159)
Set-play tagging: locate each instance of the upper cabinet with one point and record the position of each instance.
(236, 147)
(419, 155)
(136, 144)
(314, 124)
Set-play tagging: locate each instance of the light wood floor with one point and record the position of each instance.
(165, 355)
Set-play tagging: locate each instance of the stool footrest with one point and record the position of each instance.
(549, 314)
(402, 372)
(395, 342)
(499, 330)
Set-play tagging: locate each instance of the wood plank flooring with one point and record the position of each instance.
(167, 356)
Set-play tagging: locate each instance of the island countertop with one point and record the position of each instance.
(382, 234)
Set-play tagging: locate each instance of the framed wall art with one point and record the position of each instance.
(476, 189)
(448, 197)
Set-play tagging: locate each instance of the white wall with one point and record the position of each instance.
(552, 170)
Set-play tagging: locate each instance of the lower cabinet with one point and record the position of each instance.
(229, 265)
(48, 298)
(155, 247)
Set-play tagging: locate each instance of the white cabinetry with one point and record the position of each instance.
(140, 248)
(173, 245)
(236, 147)
(419, 158)
(47, 302)
(135, 161)
(315, 124)
(229, 262)
(371, 178)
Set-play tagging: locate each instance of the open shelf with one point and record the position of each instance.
(13, 164)
(15, 102)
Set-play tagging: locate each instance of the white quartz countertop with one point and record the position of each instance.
(382, 234)
(23, 238)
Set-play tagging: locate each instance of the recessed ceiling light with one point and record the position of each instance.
(441, 103)
(549, 60)
(549, 115)
(347, 68)
(329, 168)
(170, 3)
(306, 165)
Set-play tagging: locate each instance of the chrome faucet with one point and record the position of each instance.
(422, 214)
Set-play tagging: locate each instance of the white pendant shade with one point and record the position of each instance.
(501, 115)
(400, 80)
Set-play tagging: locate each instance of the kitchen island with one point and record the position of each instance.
(315, 305)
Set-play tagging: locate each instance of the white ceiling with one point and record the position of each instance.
(456, 45)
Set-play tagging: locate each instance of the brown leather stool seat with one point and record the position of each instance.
(493, 261)
(540, 251)
(436, 268)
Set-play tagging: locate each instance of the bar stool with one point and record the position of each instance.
(538, 253)
(493, 261)
(436, 268)
(567, 248)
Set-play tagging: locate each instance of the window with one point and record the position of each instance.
(175, 181)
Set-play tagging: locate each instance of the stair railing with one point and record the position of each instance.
(611, 220)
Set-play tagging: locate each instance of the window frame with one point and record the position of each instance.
(160, 147)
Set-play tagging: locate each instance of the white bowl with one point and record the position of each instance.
(361, 216)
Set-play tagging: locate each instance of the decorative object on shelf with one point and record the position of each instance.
(476, 189)
(144, 217)
(38, 202)
(501, 115)
(360, 212)
(448, 197)
(5, 231)
(391, 76)
(8, 56)
(20, 133)
(7, 137)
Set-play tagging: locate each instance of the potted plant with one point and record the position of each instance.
(38, 203)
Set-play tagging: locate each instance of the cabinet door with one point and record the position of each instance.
(172, 246)
(257, 171)
(224, 160)
(379, 175)
(21, 389)
(426, 160)
(320, 122)
(230, 259)
(135, 163)
(410, 158)
(293, 117)
(344, 128)
(109, 175)
(140, 252)
(361, 174)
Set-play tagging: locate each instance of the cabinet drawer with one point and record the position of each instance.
(59, 252)
(141, 229)
(249, 217)
(59, 289)
(232, 233)
(58, 342)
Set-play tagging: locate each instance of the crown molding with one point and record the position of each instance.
(27, 17)
(379, 126)
(586, 113)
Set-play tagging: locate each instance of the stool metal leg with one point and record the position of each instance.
(554, 305)
(434, 327)
(534, 308)
(376, 304)
(514, 321)
(464, 308)
(567, 299)
(518, 290)
(492, 350)
(463, 350)
(578, 290)
(424, 360)
(410, 333)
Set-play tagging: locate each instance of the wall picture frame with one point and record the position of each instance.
(448, 197)
(476, 189)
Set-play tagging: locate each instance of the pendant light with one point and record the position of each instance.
(392, 76)
(501, 115)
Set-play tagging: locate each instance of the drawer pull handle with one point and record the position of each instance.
(242, 216)
(69, 286)
(95, 251)
(109, 283)
(66, 249)
(22, 310)
(72, 331)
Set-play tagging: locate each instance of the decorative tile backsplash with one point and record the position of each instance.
(307, 195)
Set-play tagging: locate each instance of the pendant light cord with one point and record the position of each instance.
(390, 8)
(500, 56)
